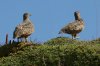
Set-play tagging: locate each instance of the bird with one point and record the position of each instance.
(24, 29)
(75, 27)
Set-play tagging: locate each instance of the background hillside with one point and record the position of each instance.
(58, 51)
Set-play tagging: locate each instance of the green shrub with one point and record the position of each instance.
(55, 52)
(67, 55)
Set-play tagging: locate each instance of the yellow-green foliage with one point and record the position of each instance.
(56, 52)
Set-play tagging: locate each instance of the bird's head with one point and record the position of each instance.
(77, 15)
(26, 15)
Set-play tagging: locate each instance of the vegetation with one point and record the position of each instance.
(55, 52)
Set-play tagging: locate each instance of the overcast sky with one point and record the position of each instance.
(49, 16)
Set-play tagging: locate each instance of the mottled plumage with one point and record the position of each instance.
(74, 27)
(24, 29)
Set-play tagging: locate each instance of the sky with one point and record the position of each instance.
(49, 16)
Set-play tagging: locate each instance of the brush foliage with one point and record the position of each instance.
(55, 52)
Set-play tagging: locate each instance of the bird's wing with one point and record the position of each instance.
(75, 26)
(26, 24)
(26, 27)
(17, 32)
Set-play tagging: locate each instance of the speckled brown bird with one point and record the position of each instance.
(74, 27)
(25, 29)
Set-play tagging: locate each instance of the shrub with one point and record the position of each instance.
(66, 55)
(59, 54)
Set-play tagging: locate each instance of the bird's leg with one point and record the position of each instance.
(72, 36)
(17, 39)
(77, 37)
(25, 39)
(21, 39)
